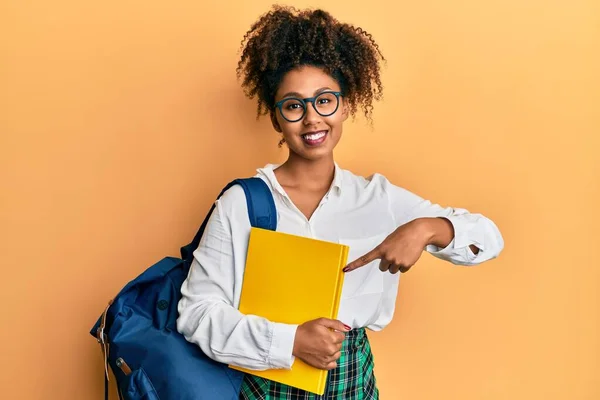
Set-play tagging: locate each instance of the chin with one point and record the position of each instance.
(315, 155)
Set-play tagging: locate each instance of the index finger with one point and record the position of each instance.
(364, 260)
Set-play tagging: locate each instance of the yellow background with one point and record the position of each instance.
(121, 121)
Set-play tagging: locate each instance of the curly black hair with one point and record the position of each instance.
(285, 38)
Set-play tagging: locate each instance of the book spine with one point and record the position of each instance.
(339, 282)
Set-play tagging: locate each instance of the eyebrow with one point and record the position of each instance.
(296, 94)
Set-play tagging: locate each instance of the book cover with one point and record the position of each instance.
(292, 279)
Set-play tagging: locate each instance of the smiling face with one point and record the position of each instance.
(313, 136)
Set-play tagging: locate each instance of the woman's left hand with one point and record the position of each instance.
(403, 247)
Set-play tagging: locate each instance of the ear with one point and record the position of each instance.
(345, 111)
(274, 121)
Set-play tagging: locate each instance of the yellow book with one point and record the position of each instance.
(292, 279)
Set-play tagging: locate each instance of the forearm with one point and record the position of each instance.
(227, 336)
(439, 232)
(449, 233)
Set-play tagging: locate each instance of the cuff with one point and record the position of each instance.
(282, 346)
(466, 233)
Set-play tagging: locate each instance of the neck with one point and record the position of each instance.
(303, 172)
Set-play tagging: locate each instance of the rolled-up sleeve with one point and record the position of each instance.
(469, 228)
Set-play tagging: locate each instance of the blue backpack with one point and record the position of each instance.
(138, 335)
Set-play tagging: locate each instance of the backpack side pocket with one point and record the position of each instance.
(137, 386)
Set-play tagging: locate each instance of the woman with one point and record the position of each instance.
(309, 73)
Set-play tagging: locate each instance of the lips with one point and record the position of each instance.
(314, 138)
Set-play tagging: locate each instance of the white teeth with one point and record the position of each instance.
(315, 136)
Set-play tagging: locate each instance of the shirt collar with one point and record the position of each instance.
(268, 171)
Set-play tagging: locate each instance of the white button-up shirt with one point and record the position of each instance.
(359, 212)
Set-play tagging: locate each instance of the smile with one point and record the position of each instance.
(314, 138)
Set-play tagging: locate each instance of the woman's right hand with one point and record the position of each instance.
(318, 342)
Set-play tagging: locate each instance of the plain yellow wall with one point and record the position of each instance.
(120, 122)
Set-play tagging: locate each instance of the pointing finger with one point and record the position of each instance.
(364, 260)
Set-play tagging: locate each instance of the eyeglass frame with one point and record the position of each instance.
(311, 100)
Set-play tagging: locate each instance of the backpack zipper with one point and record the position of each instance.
(123, 366)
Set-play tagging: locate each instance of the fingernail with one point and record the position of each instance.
(347, 327)
(346, 269)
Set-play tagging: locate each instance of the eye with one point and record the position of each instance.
(325, 99)
(292, 105)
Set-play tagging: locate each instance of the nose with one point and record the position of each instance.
(311, 116)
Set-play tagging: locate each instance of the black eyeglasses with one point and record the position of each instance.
(293, 109)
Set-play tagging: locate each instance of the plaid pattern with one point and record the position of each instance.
(353, 379)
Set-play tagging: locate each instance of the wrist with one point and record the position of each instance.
(297, 339)
(437, 231)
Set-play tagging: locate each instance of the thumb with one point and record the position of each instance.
(334, 324)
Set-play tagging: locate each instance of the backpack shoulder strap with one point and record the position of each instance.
(261, 206)
(261, 210)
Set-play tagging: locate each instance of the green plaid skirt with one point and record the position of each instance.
(352, 379)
